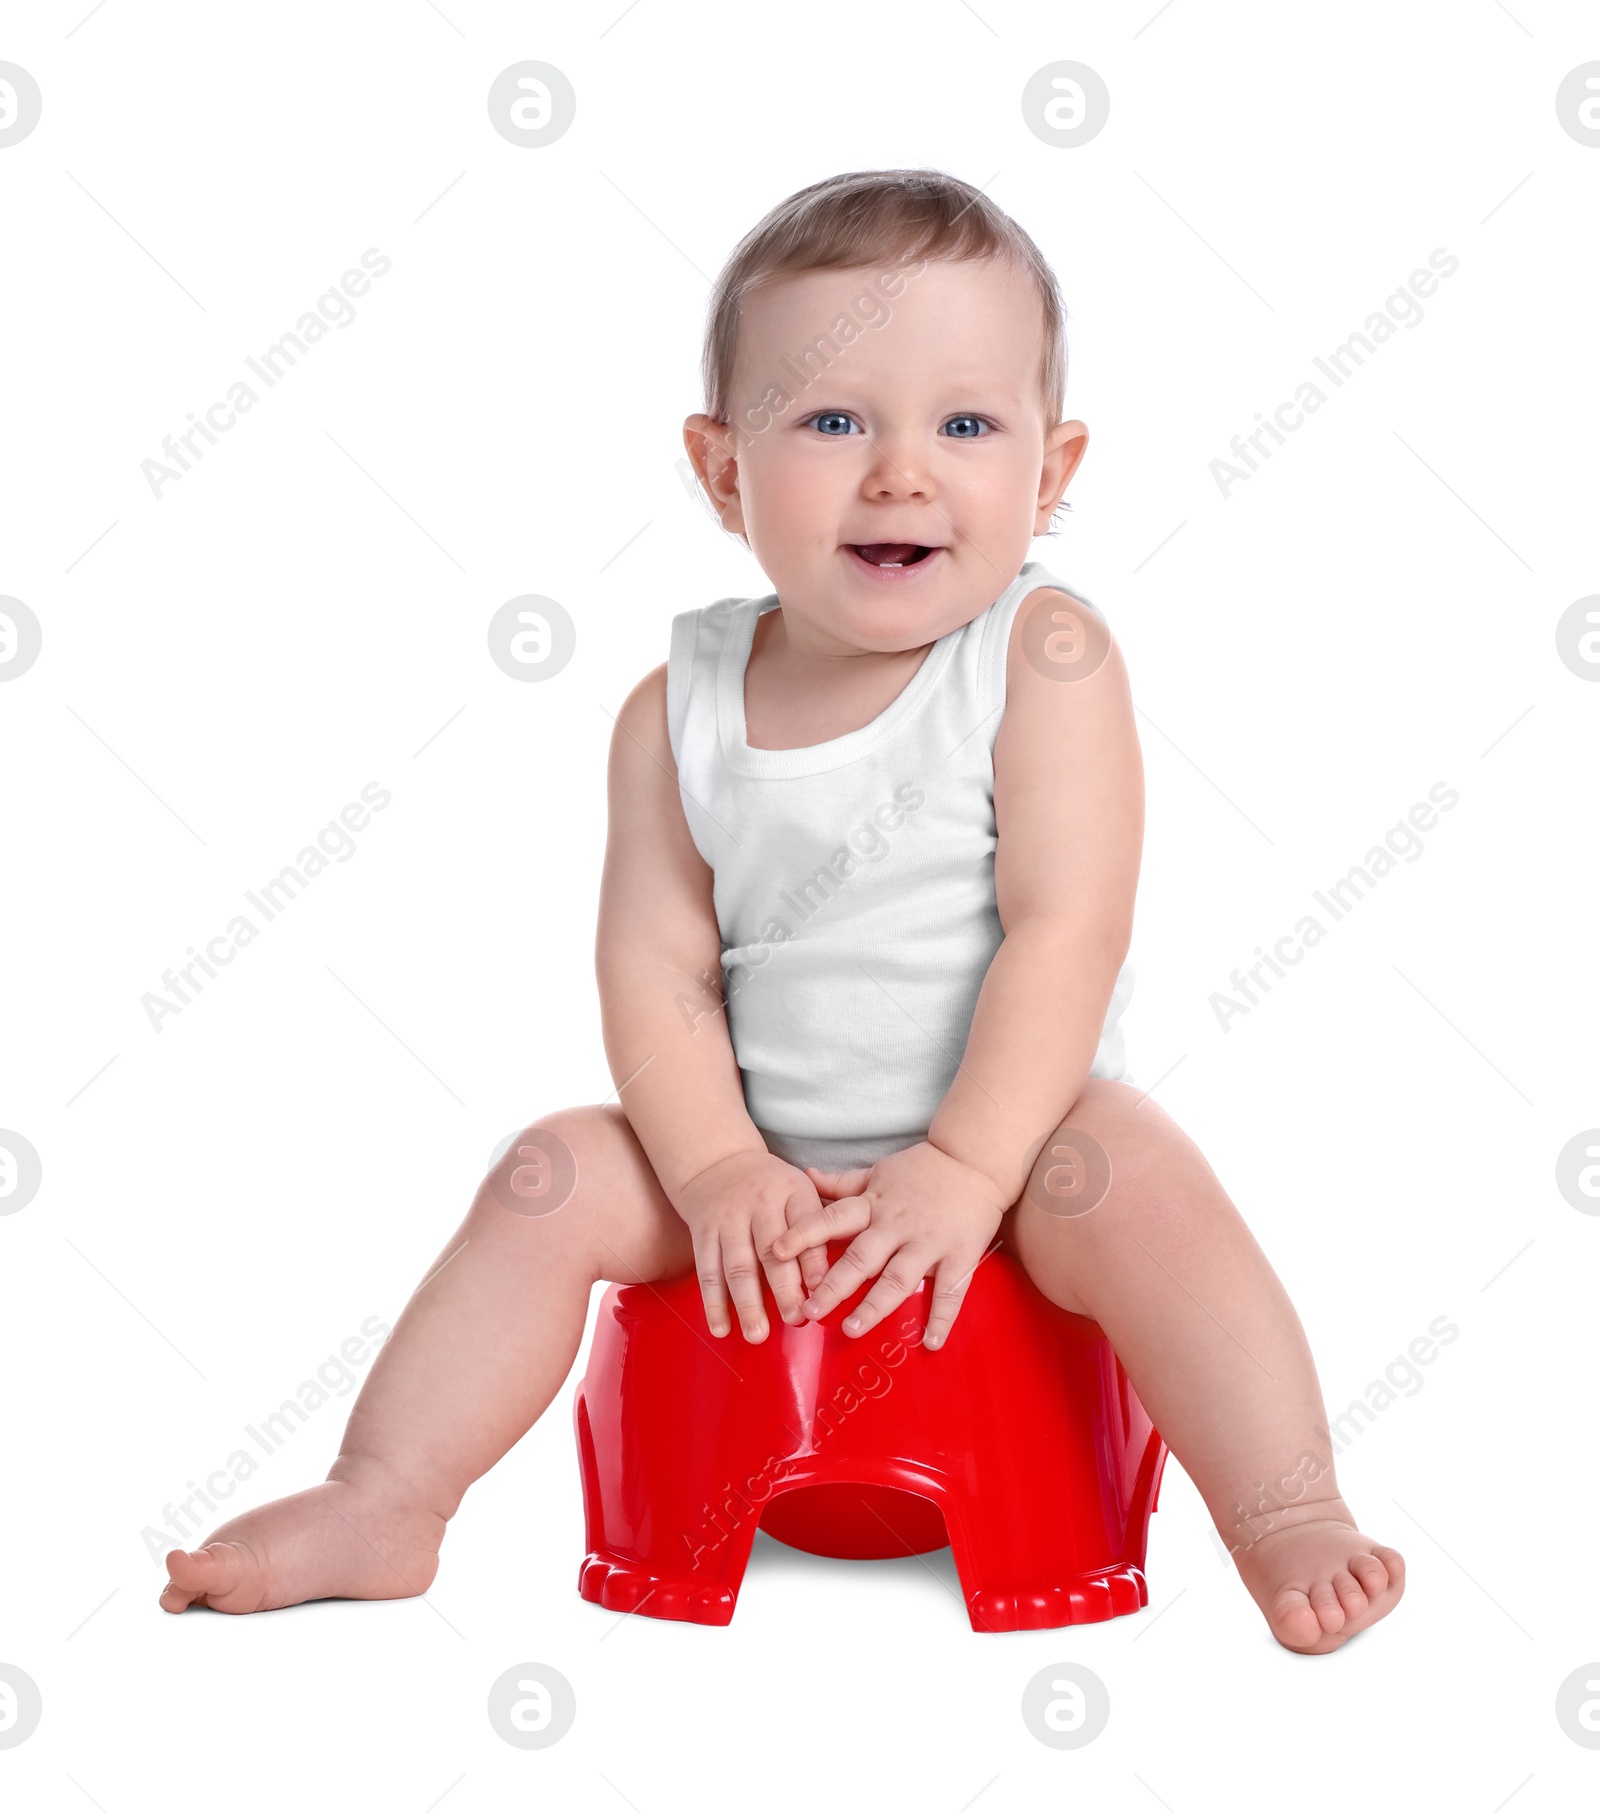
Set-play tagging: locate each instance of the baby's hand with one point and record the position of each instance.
(734, 1210)
(917, 1211)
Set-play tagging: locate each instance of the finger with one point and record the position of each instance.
(863, 1259)
(803, 1200)
(742, 1270)
(840, 1183)
(708, 1268)
(832, 1221)
(783, 1275)
(902, 1272)
(950, 1280)
(813, 1267)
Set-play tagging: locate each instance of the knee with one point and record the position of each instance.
(1082, 1210)
(1072, 1175)
(1116, 1160)
(575, 1188)
(541, 1170)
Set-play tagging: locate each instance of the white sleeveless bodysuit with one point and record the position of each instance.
(853, 882)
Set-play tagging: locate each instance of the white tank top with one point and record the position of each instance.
(853, 883)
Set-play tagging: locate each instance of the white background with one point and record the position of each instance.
(225, 1201)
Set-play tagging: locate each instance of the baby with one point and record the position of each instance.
(868, 893)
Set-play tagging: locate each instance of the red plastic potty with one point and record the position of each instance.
(1020, 1442)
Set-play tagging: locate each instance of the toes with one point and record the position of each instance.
(1293, 1622)
(208, 1575)
(1394, 1564)
(1325, 1603)
(1321, 1614)
(194, 1570)
(1372, 1574)
(181, 1590)
(189, 1575)
(1352, 1595)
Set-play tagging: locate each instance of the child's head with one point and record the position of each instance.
(885, 363)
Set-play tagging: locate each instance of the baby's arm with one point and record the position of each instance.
(1069, 817)
(658, 962)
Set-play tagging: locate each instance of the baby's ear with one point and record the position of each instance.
(711, 447)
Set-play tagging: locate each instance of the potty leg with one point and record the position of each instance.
(663, 1540)
(1020, 1577)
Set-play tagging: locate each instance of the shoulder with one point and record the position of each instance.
(697, 637)
(719, 613)
(1056, 637)
(1068, 701)
(652, 686)
(642, 716)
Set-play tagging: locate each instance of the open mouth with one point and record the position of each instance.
(890, 553)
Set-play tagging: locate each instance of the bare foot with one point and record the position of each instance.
(358, 1536)
(1318, 1580)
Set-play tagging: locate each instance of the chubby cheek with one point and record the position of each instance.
(798, 497)
(796, 502)
(999, 497)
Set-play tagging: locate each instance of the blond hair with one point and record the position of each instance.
(874, 217)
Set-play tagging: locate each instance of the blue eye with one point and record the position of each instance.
(838, 425)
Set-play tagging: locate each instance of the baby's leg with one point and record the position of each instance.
(1212, 1345)
(484, 1344)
